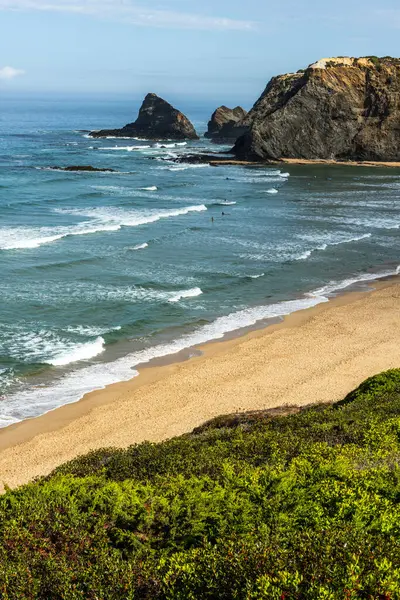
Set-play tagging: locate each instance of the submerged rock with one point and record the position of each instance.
(338, 108)
(83, 168)
(227, 124)
(157, 120)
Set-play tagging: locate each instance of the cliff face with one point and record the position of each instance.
(227, 124)
(338, 108)
(157, 120)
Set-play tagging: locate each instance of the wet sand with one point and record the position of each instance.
(314, 355)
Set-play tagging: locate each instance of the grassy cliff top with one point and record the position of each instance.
(290, 503)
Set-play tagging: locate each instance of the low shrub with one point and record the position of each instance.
(297, 506)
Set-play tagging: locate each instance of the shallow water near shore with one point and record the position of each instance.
(103, 271)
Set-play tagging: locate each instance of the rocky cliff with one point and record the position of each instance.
(227, 124)
(157, 120)
(338, 108)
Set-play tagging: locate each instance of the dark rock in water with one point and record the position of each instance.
(198, 159)
(227, 124)
(337, 109)
(157, 120)
(83, 168)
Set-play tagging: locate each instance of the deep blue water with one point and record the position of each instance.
(100, 272)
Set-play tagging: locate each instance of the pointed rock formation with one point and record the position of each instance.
(227, 124)
(338, 108)
(157, 120)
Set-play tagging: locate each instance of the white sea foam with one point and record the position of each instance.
(304, 255)
(369, 222)
(263, 179)
(186, 166)
(272, 191)
(91, 331)
(336, 286)
(10, 241)
(26, 342)
(79, 352)
(131, 217)
(125, 148)
(151, 188)
(21, 238)
(225, 203)
(326, 245)
(102, 220)
(140, 246)
(257, 276)
(185, 294)
(285, 175)
(174, 145)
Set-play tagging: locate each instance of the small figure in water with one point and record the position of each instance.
(223, 214)
(212, 219)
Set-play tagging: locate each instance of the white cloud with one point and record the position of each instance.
(10, 73)
(130, 11)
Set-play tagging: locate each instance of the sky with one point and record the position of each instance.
(218, 50)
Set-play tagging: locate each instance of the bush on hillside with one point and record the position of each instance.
(297, 506)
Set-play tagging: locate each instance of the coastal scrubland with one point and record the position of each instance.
(291, 503)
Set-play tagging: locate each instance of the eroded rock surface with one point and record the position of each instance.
(227, 124)
(157, 120)
(338, 108)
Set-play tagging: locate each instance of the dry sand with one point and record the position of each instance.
(315, 355)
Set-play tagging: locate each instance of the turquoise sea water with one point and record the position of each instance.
(103, 271)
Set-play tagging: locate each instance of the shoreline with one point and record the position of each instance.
(301, 161)
(348, 163)
(223, 377)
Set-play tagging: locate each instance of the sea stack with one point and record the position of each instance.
(338, 108)
(227, 124)
(157, 120)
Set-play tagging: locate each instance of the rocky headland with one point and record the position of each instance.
(157, 120)
(341, 109)
(227, 124)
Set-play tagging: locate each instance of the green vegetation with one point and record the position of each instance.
(302, 506)
(376, 61)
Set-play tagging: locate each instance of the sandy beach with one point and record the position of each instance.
(315, 355)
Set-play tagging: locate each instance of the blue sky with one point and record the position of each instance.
(222, 50)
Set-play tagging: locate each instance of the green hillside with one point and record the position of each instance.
(302, 505)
